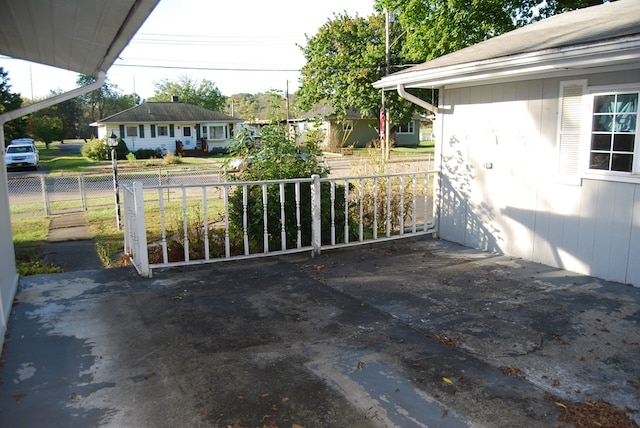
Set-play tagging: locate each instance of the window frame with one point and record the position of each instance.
(212, 135)
(410, 128)
(587, 119)
(129, 128)
(162, 130)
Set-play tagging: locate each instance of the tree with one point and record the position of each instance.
(98, 104)
(343, 59)
(277, 156)
(10, 101)
(437, 27)
(46, 128)
(204, 94)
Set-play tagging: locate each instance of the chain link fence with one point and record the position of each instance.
(53, 194)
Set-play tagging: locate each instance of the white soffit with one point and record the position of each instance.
(84, 36)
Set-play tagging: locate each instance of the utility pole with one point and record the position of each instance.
(386, 143)
(287, 108)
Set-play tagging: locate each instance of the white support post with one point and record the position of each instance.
(316, 212)
(140, 230)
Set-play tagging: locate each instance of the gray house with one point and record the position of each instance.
(536, 135)
(353, 130)
(159, 125)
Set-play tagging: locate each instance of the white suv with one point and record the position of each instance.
(22, 153)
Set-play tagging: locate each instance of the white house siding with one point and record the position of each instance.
(165, 143)
(518, 206)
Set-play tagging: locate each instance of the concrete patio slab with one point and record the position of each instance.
(414, 332)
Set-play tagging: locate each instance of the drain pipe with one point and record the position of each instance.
(8, 275)
(418, 101)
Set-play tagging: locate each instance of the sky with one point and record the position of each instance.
(242, 46)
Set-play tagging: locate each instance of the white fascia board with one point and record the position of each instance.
(588, 57)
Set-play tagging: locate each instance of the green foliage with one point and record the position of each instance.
(9, 101)
(131, 157)
(98, 104)
(46, 127)
(96, 149)
(343, 59)
(36, 267)
(204, 94)
(434, 27)
(260, 106)
(275, 156)
(148, 154)
(99, 149)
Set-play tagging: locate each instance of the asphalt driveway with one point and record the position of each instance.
(415, 332)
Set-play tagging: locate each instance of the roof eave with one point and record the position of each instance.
(605, 55)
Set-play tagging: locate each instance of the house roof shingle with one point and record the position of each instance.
(174, 112)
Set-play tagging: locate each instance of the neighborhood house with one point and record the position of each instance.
(170, 127)
(536, 134)
(353, 130)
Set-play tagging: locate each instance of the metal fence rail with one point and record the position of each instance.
(186, 224)
(55, 193)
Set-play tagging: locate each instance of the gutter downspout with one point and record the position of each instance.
(437, 192)
(8, 275)
(418, 101)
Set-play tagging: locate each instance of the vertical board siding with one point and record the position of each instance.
(517, 207)
(633, 264)
(620, 232)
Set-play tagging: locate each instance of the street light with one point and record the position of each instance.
(113, 143)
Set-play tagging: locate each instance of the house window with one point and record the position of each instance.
(162, 131)
(613, 132)
(406, 128)
(132, 131)
(217, 132)
(204, 131)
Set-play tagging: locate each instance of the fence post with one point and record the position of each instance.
(316, 212)
(45, 195)
(140, 230)
(83, 193)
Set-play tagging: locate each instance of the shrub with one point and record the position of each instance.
(275, 157)
(131, 157)
(148, 154)
(171, 159)
(219, 151)
(96, 149)
(99, 149)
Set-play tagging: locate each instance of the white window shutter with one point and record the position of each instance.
(570, 130)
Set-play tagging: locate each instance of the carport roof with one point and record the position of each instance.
(84, 36)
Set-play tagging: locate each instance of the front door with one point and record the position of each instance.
(187, 138)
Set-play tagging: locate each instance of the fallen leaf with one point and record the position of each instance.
(559, 404)
(447, 380)
(18, 396)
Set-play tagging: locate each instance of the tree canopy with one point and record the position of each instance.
(342, 61)
(203, 93)
(10, 101)
(437, 27)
